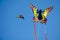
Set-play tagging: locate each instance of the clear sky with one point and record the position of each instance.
(12, 28)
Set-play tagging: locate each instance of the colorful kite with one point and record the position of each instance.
(41, 16)
(21, 16)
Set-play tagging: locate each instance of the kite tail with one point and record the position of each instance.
(45, 34)
(35, 31)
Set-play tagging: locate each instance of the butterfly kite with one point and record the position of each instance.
(41, 16)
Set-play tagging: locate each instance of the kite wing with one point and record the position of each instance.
(46, 12)
(34, 10)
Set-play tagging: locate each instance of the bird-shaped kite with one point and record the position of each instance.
(21, 16)
(40, 15)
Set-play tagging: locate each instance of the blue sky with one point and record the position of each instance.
(12, 28)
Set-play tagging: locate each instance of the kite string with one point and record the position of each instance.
(45, 34)
(35, 31)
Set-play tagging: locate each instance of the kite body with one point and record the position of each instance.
(40, 15)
